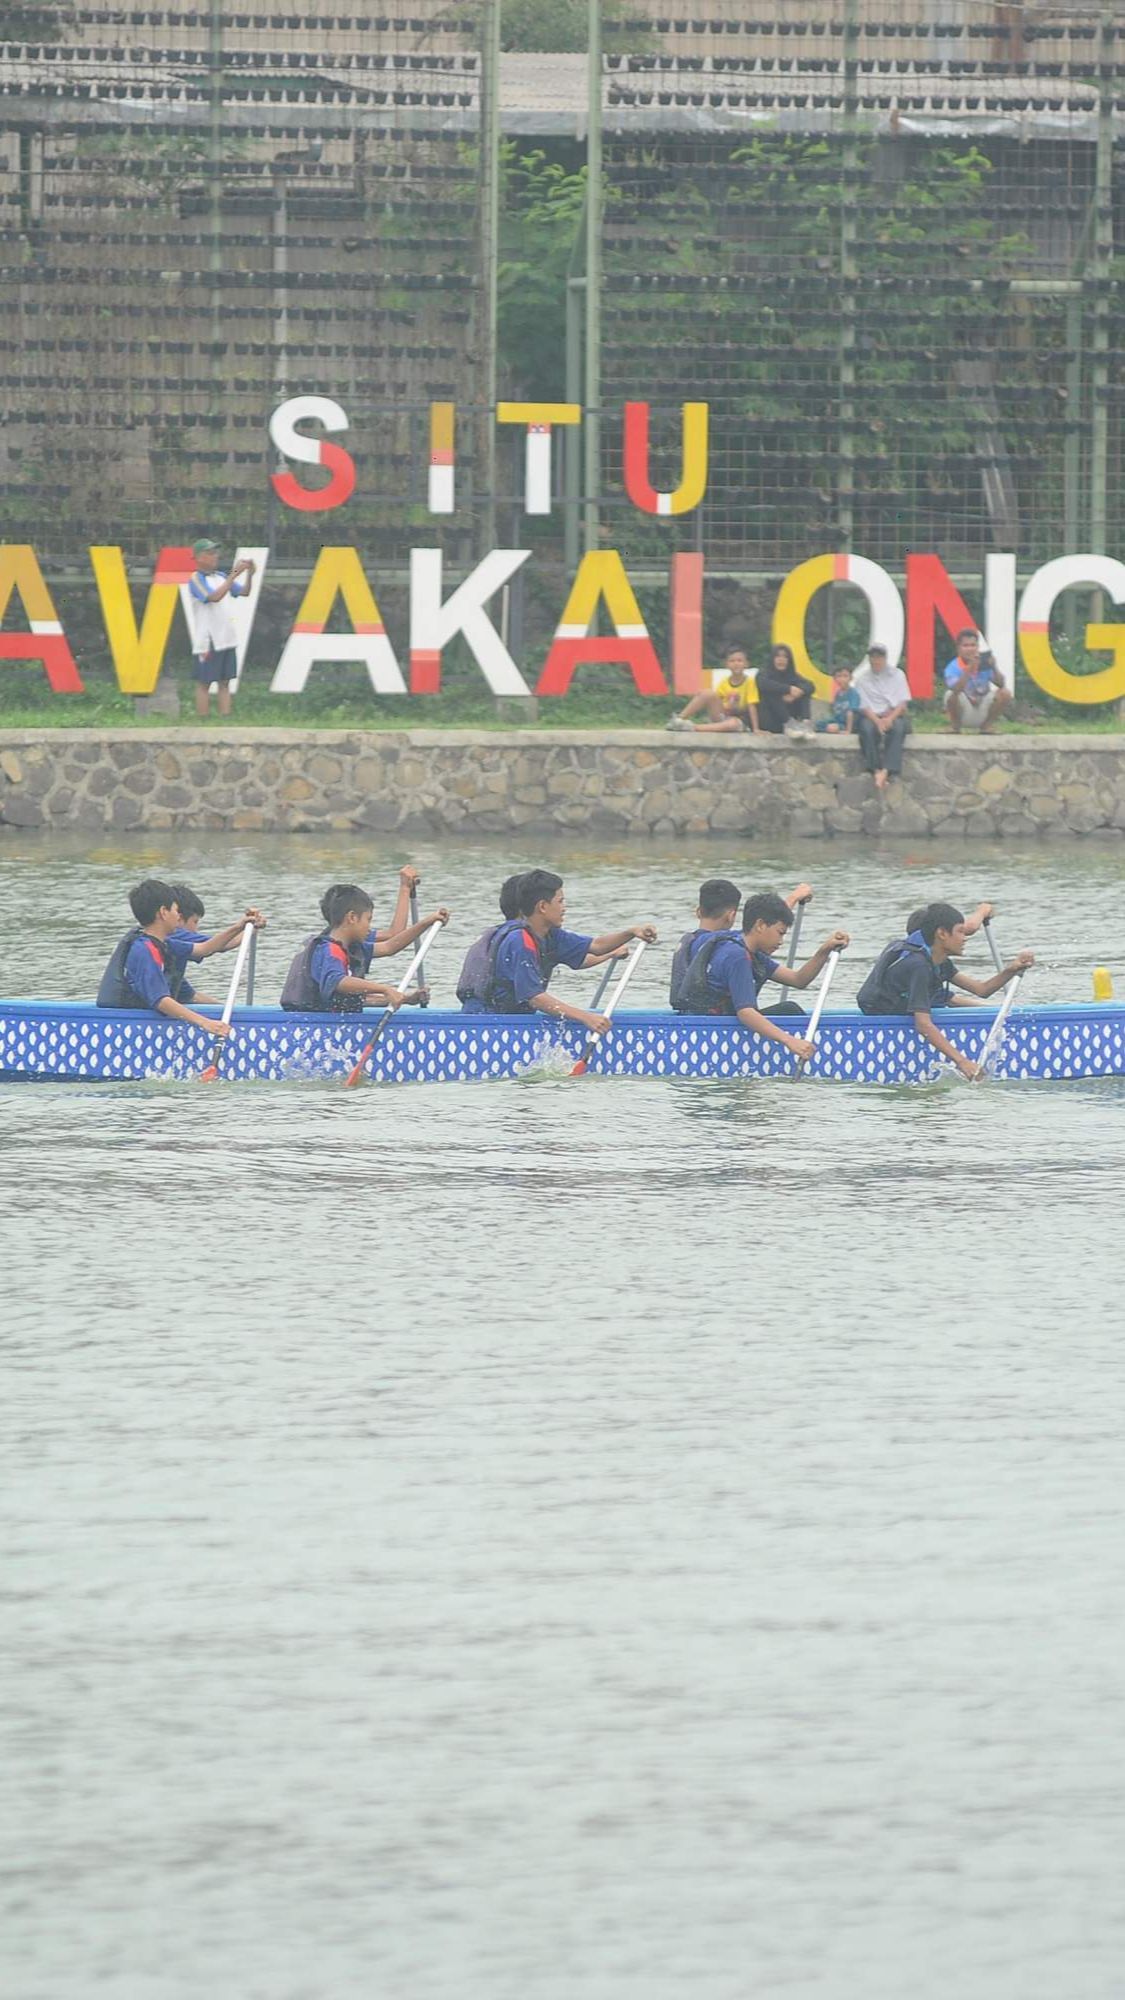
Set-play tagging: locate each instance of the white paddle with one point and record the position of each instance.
(821, 997)
(210, 1074)
(998, 1028)
(411, 973)
(580, 1066)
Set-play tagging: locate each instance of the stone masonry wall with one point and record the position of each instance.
(618, 783)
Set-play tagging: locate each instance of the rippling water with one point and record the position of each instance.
(524, 1541)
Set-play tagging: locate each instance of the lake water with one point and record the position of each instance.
(561, 1541)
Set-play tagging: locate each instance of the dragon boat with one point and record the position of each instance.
(62, 1041)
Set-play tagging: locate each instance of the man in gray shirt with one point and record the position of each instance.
(883, 719)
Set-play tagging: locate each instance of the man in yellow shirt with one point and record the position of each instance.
(731, 705)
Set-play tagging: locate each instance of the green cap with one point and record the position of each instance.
(203, 548)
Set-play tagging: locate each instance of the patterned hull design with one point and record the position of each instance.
(61, 1041)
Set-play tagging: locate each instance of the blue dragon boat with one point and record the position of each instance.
(62, 1041)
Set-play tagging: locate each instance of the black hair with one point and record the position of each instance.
(510, 893)
(190, 904)
(790, 662)
(843, 667)
(150, 897)
(766, 908)
(344, 899)
(735, 645)
(939, 917)
(538, 886)
(916, 919)
(970, 632)
(717, 895)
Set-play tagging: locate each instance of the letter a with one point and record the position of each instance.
(338, 573)
(601, 574)
(46, 640)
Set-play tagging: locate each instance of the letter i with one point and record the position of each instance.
(442, 418)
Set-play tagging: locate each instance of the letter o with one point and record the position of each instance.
(888, 621)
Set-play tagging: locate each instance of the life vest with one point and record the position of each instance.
(877, 995)
(115, 990)
(301, 994)
(689, 992)
(477, 981)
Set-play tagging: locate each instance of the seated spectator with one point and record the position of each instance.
(976, 696)
(883, 719)
(732, 704)
(783, 694)
(846, 704)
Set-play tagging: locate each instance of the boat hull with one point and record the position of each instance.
(58, 1041)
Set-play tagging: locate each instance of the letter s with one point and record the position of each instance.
(292, 443)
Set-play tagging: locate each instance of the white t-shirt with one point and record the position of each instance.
(213, 626)
(881, 692)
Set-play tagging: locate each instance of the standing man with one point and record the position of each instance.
(883, 718)
(976, 694)
(213, 629)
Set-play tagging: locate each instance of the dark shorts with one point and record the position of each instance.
(216, 667)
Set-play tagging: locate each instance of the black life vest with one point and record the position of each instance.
(115, 990)
(690, 992)
(477, 980)
(878, 995)
(301, 994)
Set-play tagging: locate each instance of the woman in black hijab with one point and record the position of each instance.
(783, 696)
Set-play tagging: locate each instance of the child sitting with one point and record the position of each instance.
(846, 705)
(329, 972)
(141, 967)
(189, 942)
(732, 703)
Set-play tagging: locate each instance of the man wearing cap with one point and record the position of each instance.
(213, 629)
(883, 719)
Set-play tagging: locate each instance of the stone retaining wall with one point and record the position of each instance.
(615, 783)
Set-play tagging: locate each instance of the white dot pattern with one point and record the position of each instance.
(40, 1040)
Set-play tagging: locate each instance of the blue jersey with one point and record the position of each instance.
(524, 967)
(977, 684)
(144, 971)
(735, 975)
(328, 965)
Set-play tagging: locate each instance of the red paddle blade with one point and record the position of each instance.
(210, 1074)
(579, 1067)
(357, 1073)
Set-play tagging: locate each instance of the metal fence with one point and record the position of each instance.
(883, 247)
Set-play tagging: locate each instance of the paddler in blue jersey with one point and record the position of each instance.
(916, 973)
(726, 973)
(512, 975)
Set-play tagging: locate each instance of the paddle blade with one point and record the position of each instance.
(210, 1074)
(356, 1075)
(579, 1067)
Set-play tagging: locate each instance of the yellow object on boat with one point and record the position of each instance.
(1103, 983)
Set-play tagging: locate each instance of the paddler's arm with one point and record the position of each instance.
(563, 1010)
(760, 1024)
(397, 940)
(227, 938)
(926, 1025)
(408, 880)
(801, 894)
(613, 940)
(985, 988)
(178, 1013)
(803, 975)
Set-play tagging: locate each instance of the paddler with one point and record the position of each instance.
(726, 973)
(915, 973)
(142, 970)
(512, 975)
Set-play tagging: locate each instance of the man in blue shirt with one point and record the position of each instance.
(976, 695)
(738, 966)
(525, 953)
